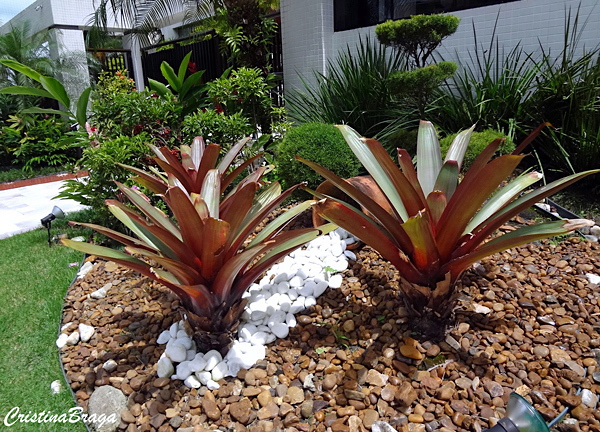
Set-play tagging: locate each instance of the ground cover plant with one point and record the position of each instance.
(206, 259)
(436, 226)
(29, 323)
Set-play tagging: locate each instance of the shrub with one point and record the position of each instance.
(102, 162)
(401, 138)
(354, 90)
(479, 141)
(216, 127)
(319, 142)
(110, 84)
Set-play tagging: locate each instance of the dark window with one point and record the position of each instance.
(351, 14)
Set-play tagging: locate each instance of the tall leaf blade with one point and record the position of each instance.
(170, 76)
(458, 148)
(183, 67)
(429, 156)
(56, 89)
(211, 192)
(82, 104)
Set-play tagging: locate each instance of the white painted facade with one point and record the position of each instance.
(309, 40)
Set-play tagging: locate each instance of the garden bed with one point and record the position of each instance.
(526, 321)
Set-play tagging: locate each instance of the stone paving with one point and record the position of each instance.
(22, 208)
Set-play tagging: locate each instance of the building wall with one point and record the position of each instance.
(309, 39)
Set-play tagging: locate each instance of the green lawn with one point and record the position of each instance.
(33, 282)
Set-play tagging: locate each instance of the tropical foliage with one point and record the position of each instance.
(435, 226)
(207, 257)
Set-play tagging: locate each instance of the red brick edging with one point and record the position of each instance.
(41, 180)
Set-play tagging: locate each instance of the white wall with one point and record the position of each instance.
(309, 39)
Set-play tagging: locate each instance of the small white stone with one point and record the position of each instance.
(191, 353)
(298, 305)
(84, 269)
(341, 264)
(213, 358)
(86, 332)
(301, 273)
(481, 309)
(258, 315)
(73, 338)
(588, 398)
(62, 340)
(204, 377)
(349, 241)
(335, 281)
(350, 255)
(308, 288)
(280, 330)
(290, 320)
(173, 330)
(56, 386)
(198, 364)
(164, 368)
(185, 341)
(276, 318)
(98, 294)
(296, 281)
(336, 249)
(212, 385)
(259, 338)
(183, 370)
(281, 277)
(593, 278)
(192, 382)
(220, 371)
(176, 352)
(309, 301)
(595, 230)
(320, 288)
(293, 294)
(109, 365)
(66, 326)
(164, 337)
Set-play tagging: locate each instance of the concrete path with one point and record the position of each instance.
(21, 208)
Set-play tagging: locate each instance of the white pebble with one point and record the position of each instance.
(258, 315)
(296, 281)
(212, 385)
(109, 365)
(191, 353)
(320, 288)
(204, 377)
(192, 382)
(280, 330)
(350, 255)
(185, 341)
(98, 294)
(62, 340)
(86, 332)
(309, 301)
(277, 318)
(73, 338)
(164, 337)
(593, 278)
(293, 294)
(213, 357)
(56, 386)
(183, 370)
(335, 281)
(164, 368)
(176, 352)
(259, 338)
(308, 288)
(290, 320)
(198, 364)
(298, 305)
(173, 330)
(219, 371)
(182, 334)
(281, 277)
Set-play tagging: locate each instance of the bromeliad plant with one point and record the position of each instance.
(207, 256)
(435, 226)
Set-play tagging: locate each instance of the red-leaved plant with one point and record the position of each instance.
(207, 256)
(432, 227)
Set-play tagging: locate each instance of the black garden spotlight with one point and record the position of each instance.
(520, 417)
(47, 220)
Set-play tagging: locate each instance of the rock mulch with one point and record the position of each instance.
(527, 321)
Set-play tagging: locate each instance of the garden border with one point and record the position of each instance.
(42, 180)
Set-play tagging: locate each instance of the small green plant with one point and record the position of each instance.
(479, 141)
(319, 142)
(109, 84)
(321, 350)
(417, 37)
(216, 127)
(381, 319)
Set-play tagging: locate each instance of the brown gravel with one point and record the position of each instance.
(540, 339)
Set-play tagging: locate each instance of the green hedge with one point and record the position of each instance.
(478, 142)
(317, 142)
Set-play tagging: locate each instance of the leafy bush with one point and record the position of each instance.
(319, 142)
(102, 162)
(244, 90)
(216, 127)
(479, 141)
(401, 138)
(354, 90)
(110, 84)
(136, 112)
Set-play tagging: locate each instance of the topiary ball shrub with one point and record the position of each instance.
(479, 141)
(317, 142)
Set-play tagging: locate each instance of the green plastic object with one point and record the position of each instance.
(524, 416)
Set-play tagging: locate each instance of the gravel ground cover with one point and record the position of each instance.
(526, 321)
